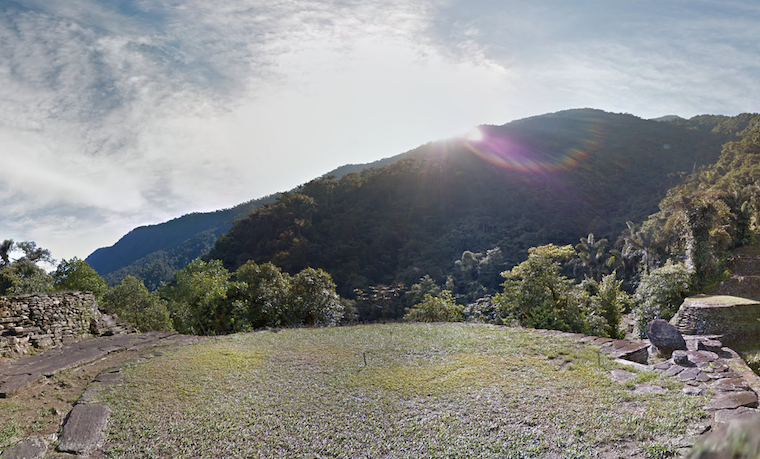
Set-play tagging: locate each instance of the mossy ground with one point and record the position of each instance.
(399, 390)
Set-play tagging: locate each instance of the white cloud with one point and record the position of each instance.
(114, 114)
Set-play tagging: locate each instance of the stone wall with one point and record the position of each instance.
(41, 321)
(737, 319)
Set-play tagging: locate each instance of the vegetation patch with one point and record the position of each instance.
(400, 390)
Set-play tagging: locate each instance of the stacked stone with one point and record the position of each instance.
(736, 319)
(42, 321)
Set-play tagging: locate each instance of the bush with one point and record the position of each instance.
(265, 296)
(660, 294)
(441, 308)
(131, 301)
(537, 295)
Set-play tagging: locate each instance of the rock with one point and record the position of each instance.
(31, 448)
(621, 375)
(83, 429)
(730, 385)
(698, 429)
(722, 443)
(665, 337)
(689, 374)
(649, 389)
(662, 366)
(635, 352)
(701, 358)
(712, 345)
(681, 357)
(742, 413)
(10, 385)
(731, 400)
(690, 390)
(674, 370)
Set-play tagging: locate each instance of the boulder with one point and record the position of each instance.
(665, 337)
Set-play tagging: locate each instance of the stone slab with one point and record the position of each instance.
(732, 400)
(83, 429)
(730, 384)
(690, 390)
(674, 370)
(689, 374)
(14, 383)
(636, 365)
(52, 364)
(109, 378)
(649, 389)
(635, 352)
(621, 375)
(31, 448)
(742, 413)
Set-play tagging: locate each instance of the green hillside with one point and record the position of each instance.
(154, 252)
(550, 178)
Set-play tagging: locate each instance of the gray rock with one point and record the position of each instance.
(681, 357)
(31, 448)
(664, 336)
(730, 384)
(742, 413)
(731, 400)
(689, 374)
(83, 429)
(621, 375)
(674, 370)
(690, 390)
(712, 345)
(649, 389)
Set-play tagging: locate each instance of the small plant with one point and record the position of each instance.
(658, 450)
(8, 431)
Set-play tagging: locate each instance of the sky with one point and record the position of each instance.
(121, 113)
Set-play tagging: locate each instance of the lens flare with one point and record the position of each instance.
(474, 135)
(509, 153)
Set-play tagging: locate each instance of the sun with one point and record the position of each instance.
(474, 135)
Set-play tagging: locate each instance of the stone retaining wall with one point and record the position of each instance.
(42, 321)
(736, 319)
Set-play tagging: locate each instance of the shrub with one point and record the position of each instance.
(131, 301)
(441, 308)
(660, 293)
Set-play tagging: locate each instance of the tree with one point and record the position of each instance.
(261, 294)
(198, 298)
(132, 301)
(440, 308)
(416, 293)
(76, 274)
(595, 258)
(22, 275)
(313, 299)
(537, 295)
(607, 301)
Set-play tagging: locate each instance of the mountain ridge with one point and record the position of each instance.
(154, 251)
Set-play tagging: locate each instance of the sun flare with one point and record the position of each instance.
(474, 135)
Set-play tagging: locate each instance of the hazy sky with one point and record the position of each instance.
(120, 113)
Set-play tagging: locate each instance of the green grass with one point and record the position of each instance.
(401, 390)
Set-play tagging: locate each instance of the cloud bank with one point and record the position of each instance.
(116, 114)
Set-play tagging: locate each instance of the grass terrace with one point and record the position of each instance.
(399, 390)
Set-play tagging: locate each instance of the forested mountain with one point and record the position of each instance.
(154, 252)
(550, 178)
